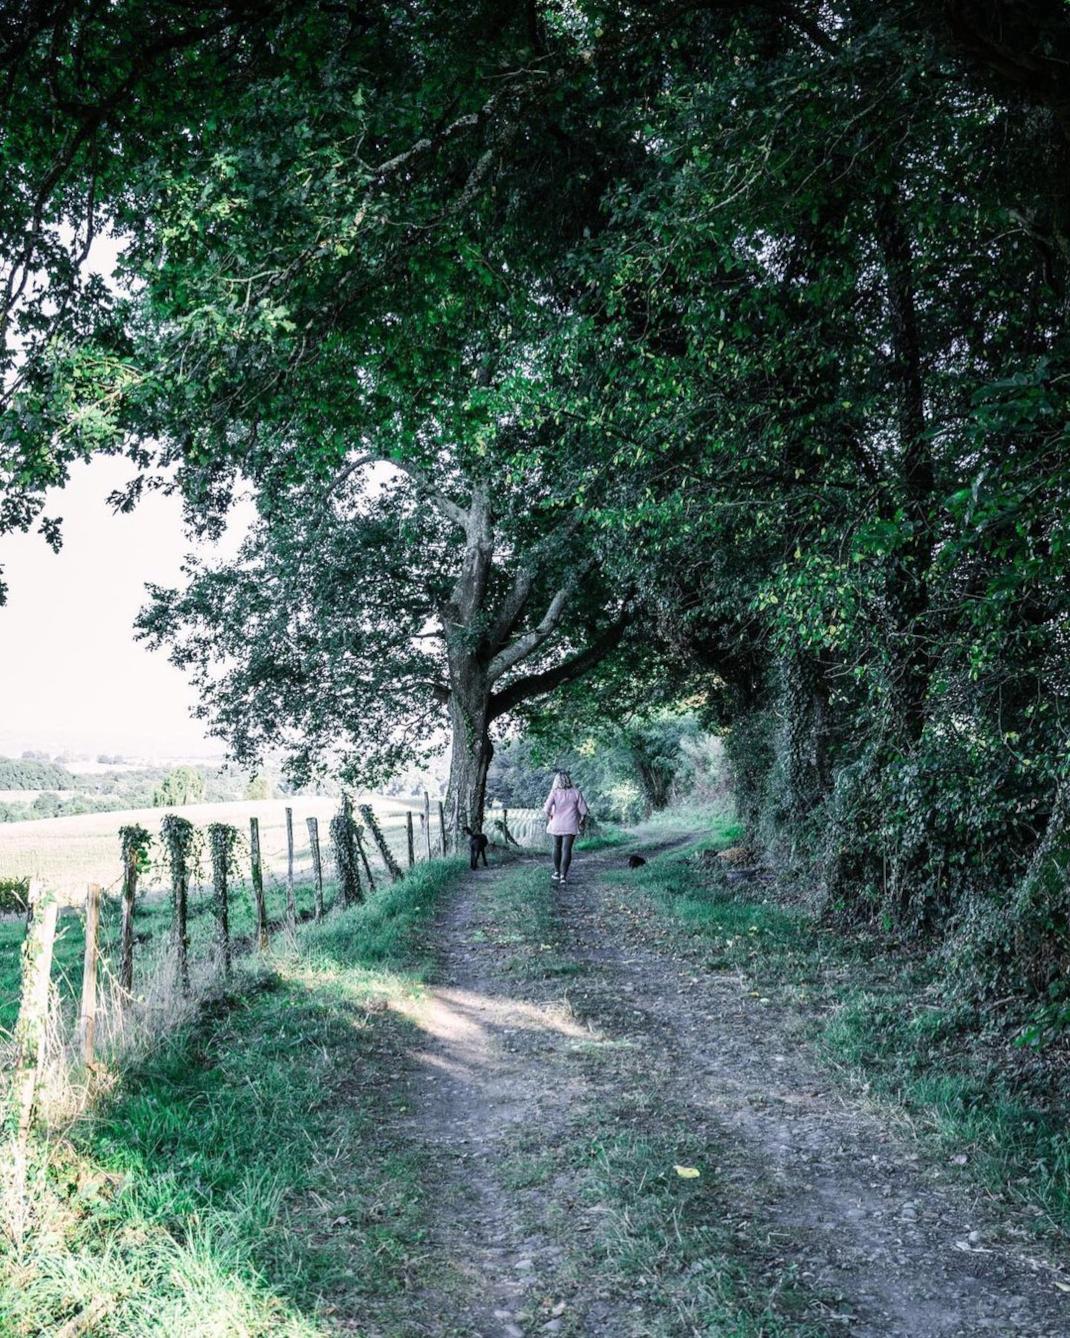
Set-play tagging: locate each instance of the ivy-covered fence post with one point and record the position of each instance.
(87, 1016)
(502, 824)
(258, 884)
(343, 840)
(291, 903)
(427, 822)
(135, 844)
(442, 826)
(178, 836)
(222, 841)
(409, 837)
(313, 825)
(392, 866)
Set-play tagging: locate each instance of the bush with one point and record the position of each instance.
(14, 894)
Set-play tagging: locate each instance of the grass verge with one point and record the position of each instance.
(251, 1177)
(879, 1019)
(152, 922)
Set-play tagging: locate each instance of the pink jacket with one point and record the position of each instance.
(564, 808)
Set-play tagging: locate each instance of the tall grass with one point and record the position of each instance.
(245, 1178)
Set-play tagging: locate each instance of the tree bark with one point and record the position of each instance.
(471, 751)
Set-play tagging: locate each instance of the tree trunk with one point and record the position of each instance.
(470, 753)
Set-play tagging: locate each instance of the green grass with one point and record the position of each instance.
(248, 1178)
(152, 925)
(882, 1024)
(685, 1245)
(970, 1095)
(523, 919)
(607, 837)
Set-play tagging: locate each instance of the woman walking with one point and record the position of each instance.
(567, 810)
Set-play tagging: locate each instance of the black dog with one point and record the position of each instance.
(477, 845)
(634, 862)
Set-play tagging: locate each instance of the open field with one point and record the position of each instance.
(28, 796)
(67, 852)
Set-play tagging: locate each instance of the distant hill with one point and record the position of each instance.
(25, 774)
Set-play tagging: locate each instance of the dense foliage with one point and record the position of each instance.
(713, 349)
(183, 785)
(626, 770)
(25, 774)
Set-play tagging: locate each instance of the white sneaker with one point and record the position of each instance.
(555, 877)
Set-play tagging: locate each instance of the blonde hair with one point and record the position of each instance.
(563, 781)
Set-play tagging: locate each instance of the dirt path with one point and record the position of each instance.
(571, 1064)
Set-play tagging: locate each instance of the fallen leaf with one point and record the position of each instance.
(687, 1172)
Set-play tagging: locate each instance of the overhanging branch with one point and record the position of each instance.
(536, 685)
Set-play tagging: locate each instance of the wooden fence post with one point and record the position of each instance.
(31, 1030)
(178, 834)
(343, 834)
(222, 839)
(317, 863)
(427, 822)
(393, 868)
(363, 857)
(409, 837)
(291, 903)
(442, 826)
(126, 963)
(258, 884)
(87, 1019)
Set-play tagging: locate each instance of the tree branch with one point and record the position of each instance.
(514, 603)
(457, 515)
(530, 641)
(536, 685)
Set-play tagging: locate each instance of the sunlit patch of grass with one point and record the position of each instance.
(606, 837)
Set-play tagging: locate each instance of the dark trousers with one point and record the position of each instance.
(563, 853)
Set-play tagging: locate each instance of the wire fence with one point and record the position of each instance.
(97, 968)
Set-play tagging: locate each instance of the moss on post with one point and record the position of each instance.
(135, 843)
(179, 838)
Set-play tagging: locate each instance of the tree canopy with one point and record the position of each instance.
(715, 349)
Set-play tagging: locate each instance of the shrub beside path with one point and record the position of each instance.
(624, 1142)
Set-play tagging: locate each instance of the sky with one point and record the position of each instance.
(72, 677)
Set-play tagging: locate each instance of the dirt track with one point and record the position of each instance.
(831, 1219)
